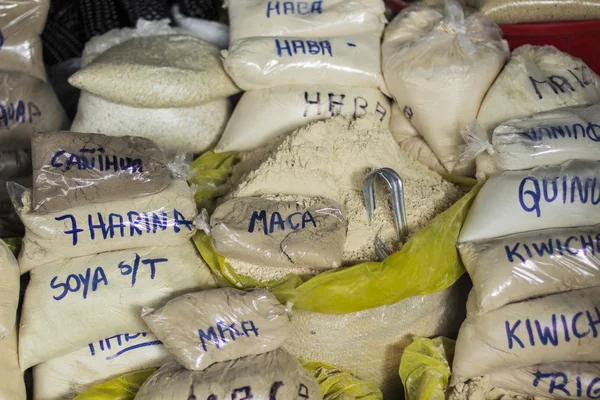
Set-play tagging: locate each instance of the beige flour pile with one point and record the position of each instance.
(331, 159)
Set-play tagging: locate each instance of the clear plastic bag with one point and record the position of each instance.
(12, 385)
(9, 290)
(266, 62)
(122, 388)
(517, 12)
(213, 32)
(72, 169)
(304, 232)
(528, 265)
(218, 325)
(276, 374)
(306, 19)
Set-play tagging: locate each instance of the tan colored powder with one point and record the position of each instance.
(481, 389)
(518, 11)
(269, 274)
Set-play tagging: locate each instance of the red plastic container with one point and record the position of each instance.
(581, 39)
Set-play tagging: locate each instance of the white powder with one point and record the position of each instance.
(269, 274)
(331, 159)
(9, 290)
(12, 385)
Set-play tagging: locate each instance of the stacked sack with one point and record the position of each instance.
(156, 82)
(531, 241)
(226, 345)
(107, 231)
(302, 61)
(438, 63)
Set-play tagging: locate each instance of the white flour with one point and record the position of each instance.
(331, 159)
(12, 386)
(9, 290)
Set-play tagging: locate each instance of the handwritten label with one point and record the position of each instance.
(293, 47)
(245, 393)
(122, 345)
(223, 328)
(92, 281)
(562, 329)
(133, 224)
(574, 78)
(294, 221)
(566, 190)
(335, 105)
(95, 158)
(586, 245)
(559, 382)
(21, 112)
(275, 8)
(575, 132)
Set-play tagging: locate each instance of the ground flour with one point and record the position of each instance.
(331, 159)
(9, 290)
(23, 54)
(265, 62)
(161, 219)
(12, 385)
(536, 79)
(308, 232)
(281, 110)
(157, 72)
(441, 60)
(264, 274)
(528, 265)
(218, 325)
(515, 11)
(193, 129)
(556, 328)
(267, 376)
(308, 18)
(71, 303)
(65, 377)
(71, 169)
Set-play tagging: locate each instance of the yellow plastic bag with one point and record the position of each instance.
(425, 368)
(338, 384)
(122, 388)
(209, 172)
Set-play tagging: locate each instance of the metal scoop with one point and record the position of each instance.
(394, 181)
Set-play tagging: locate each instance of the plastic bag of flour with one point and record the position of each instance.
(411, 141)
(23, 54)
(203, 328)
(67, 376)
(306, 232)
(561, 196)
(434, 60)
(9, 290)
(266, 62)
(12, 385)
(192, 129)
(124, 387)
(560, 327)
(535, 80)
(27, 105)
(547, 138)
(533, 264)
(283, 109)
(267, 376)
(213, 32)
(568, 380)
(161, 219)
(71, 169)
(305, 19)
(516, 11)
(157, 72)
(71, 303)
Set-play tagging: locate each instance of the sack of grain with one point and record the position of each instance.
(266, 62)
(157, 72)
(71, 303)
(27, 105)
(67, 376)
(304, 19)
(561, 196)
(560, 327)
(192, 129)
(218, 325)
(23, 54)
(72, 169)
(528, 265)
(557, 381)
(435, 59)
(9, 290)
(12, 385)
(411, 141)
(517, 12)
(161, 219)
(536, 79)
(213, 32)
(306, 232)
(267, 376)
(281, 110)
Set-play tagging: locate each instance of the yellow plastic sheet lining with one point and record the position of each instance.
(122, 388)
(208, 173)
(425, 368)
(338, 384)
